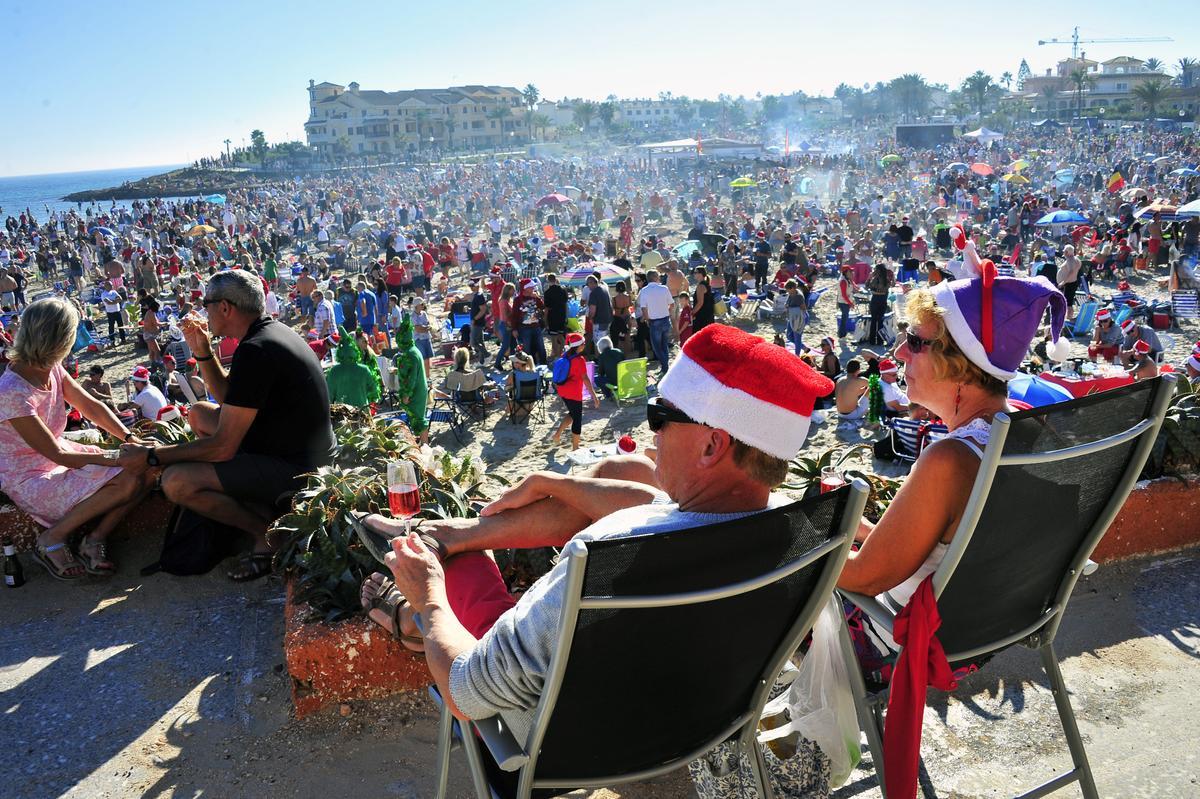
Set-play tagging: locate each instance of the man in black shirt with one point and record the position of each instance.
(905, 234)
(479, 311)
(555, 299)
(271, 427)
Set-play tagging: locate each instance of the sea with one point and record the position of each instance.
(43, 193)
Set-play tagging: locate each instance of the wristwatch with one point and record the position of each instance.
(152, 457)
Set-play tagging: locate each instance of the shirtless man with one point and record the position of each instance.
(305, 286)
(849, 390)
(677, 282)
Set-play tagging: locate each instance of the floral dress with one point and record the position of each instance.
(39, 486)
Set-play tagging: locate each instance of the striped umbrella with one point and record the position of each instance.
(609, 273)
(1166, 212)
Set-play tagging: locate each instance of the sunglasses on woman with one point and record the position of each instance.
(658, 414)
(915, 342)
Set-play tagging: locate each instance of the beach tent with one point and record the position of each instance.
(984, 135)
(1047, 124)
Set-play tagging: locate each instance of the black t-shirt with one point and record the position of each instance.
(598, 298)
(275, 372)
(556, 308)
(905, 234)
(479, 304)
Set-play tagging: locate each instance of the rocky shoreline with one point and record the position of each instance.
(187, 182)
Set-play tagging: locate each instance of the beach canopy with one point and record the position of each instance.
(553, 199)
(218, 199)
(980, 168)
(1166, 211)
(1162, 159)
(984, 135)
(609, 273)
(363, 227)
(1062, 218)
(1047, 123)
(743, 182)
(1185, 172)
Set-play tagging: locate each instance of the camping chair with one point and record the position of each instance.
(813, 296)
(663, 695)
(909, 437)
(773, 308)
(1050, 483)
(1084, 319)
(631, 381)
(524, 397)
(1185, 304)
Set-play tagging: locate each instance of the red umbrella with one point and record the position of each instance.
(553, 199)
(981, 168)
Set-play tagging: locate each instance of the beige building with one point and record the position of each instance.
(1109, 83)
(348, 119)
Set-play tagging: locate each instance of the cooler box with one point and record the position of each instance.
(1160, 321)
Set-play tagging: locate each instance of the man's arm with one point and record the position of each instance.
(222, 445)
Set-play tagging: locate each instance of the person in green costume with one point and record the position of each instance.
(413, 390)
(349, 380)
(367, 355)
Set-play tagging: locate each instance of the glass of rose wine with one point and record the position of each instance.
(831, 479)
(404, 492)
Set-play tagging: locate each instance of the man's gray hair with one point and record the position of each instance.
(604, 344)
(240, 289)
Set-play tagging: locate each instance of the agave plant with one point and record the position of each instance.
(1177, 450)
(805, 475)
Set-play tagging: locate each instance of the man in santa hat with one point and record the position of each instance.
(1133, 334)
(732, 411)
(1192, 366)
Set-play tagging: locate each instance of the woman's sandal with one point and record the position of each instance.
(389, 599)
(94, 557)
(252, 566)
(42, 555)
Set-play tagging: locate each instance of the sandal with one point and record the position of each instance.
(252, 567)
(94, 556)
(41, 554)
(389, 599)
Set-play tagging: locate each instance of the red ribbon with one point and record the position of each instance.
(988, 272)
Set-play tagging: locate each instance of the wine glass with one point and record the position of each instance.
(831, 479)
(404, 492)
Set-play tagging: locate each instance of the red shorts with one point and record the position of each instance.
(476, 591)
(1103, 351)
(1154, 244)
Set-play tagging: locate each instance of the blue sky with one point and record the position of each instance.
(102, 85)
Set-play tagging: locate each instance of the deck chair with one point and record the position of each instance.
(631, 381)
(1084, 319)
(663, 695)
(908, 439)
(813, 296)
(1050, 483)
(1185, 304)
(525, 397)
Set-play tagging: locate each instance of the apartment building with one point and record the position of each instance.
(349, 119)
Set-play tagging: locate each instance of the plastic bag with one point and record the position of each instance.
(819, 705)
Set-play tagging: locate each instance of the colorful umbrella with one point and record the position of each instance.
(1129, 195)
(200, 230)
(1016, 177)
(553, 199)
(218, 199)
(1036, 391)
(1166, 212)
(1189, 210)
(980, 168)
(1062, 218)
(1186, 171)
(957, 166)
(1018, 165)
(890, 158)
(609, 273)
(742, 183)
(1162, 159)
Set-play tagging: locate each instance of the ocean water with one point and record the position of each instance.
(43, 193)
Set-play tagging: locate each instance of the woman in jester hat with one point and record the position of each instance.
(412, 388)
(350, 381)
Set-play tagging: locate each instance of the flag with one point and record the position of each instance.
(1015, 257)
(699, 144)
(1115, 183)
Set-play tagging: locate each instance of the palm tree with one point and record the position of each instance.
(539, 122)
(1048, 93)
(910, 93)
(583, 113)
(1006, 79)
(1187, 68)
(1150, 94)
(606, 111)
(499, 114)
(1080, 79)
(1153, 65)
(976, 87)
(531, 96)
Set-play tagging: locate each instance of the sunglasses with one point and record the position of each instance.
(658, 414)
(915, 342)
(206, 303)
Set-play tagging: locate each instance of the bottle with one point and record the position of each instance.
(14, 575)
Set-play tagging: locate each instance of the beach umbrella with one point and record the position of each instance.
(1162, 159)
(1018, 165)
(980, 168)
(1129, 195)
(957, 166)
(1166, 212)
(1016, 177)
(742, 183)
(685, 250)
(218, 199)
(1189, 210)
(1035, 391)
(553, 199)
(1185, 172)
(889, 159)
(363, 226)
(1065, 175)
(609, 273)
(1148, 156)
(200, 230)
(104, 230)
(571, 191)
(1061, 218)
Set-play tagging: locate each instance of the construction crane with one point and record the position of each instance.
(1076, 41)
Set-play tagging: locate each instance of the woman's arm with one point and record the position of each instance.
(33, 431)
(92, 409)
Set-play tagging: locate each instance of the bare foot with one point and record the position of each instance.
(379, 597)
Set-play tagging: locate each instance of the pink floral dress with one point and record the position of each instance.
(38, 485)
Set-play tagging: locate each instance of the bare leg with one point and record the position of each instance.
(116, 493)
(195, 486)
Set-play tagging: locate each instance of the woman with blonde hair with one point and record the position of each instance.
(59, 483)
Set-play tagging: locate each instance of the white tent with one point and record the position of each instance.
(984, 135)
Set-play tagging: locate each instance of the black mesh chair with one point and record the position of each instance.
(668, 646)
(1051, 481)
(525, 397)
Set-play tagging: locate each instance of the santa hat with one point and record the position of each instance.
(1103, 315)
(141, 374)
(1194, 362)
(993, 319)
(168, 413)
(1196, 348)
(526, 282)
(968, 264)
(760, 394)
(574, 340)
(1128, 326)
(1141, 347)
(887, 366)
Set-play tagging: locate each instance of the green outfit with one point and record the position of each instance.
(410, 377)
(349, 380)
(270, 270)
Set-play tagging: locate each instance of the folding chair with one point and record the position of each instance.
(1050, 483)
(909, 437)
(631, 381)
(663, 695)
(1185, 304)
(524, 397)
(1084, 319)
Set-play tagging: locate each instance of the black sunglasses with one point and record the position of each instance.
(915, 342)
(658, 414)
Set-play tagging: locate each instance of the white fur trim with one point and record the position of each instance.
(761, 424)
(1194, 362)
(960, 331)
(1060, 351)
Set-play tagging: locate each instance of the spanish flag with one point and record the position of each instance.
(699, 144)
(1115, 183)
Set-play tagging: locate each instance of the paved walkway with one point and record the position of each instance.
(175, 687)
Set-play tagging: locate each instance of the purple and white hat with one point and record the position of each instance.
(993, 319)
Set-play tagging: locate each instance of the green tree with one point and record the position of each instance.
(606, 112)
(910, 94)
(1154, 65)
(1080, 80)
(258, 143)
(539, 122)
(584, 113)
(1150, 94)
(976, 87)
(772, 109)
(1048, 94)
(1006, 79)
(530, 96)
(501, 114)
(1187, 71)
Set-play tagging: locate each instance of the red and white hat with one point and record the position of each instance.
(1141, 347)
(760, 394)
(1103, 315)
(1128, 325)
(141, 374)
(574, 340)
(887, 366)
(1194, 362)
(1196, 349)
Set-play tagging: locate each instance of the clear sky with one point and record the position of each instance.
(140, 82)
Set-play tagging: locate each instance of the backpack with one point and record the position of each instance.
(193, 544)
(560, 370)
